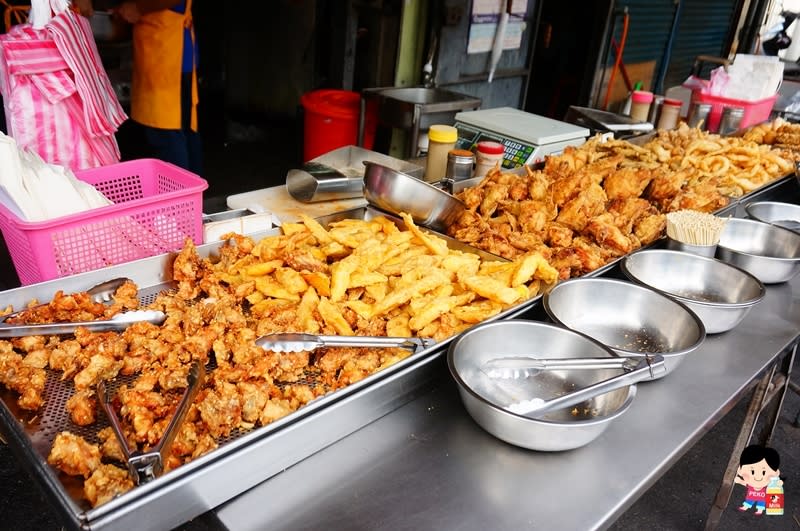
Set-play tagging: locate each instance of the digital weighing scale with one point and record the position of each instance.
(527, 137)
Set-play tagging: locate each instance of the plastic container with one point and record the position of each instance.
(330, 121)
(755, 112)
(487, 155)
(460, 163)
(156, 207)
(441, 139)
(640, 104)
(670, 112)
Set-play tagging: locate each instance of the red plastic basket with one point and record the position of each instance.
(157, 205)
(755, 112)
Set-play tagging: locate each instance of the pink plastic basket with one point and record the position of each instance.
(157, 205)
(755, 112)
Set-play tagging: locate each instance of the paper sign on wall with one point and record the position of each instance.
(483, 24)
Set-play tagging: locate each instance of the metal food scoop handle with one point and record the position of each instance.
(524, 366)
(537, 407)
(102, 292)
(304, 342)
(119, 322)
(144, 467)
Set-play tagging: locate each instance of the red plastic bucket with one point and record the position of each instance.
(331, 121)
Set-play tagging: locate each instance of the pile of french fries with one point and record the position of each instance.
(406, 282)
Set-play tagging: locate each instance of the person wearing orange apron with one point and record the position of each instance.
(164, 88)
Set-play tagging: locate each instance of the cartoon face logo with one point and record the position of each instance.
(758, 471)
(757, 475)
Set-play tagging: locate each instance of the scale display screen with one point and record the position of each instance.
(516, 153)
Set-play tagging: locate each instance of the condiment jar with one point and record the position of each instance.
(731, 120)
(459, 164)
(488, 154)
(670, 110)
(441, 139)
(640, 104)
(698, 115)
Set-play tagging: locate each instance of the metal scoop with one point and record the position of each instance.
(303, 342)
(119, 322)
(144, 467)
(525, 366)
(102, 292)
(648, 368)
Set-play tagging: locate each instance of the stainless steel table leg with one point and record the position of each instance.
(781, 385)
(749, 424)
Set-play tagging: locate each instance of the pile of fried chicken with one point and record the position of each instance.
(606, 198)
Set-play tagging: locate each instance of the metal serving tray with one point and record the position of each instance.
(242, 460)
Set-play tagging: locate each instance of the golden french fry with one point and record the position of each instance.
(436, 308)
(316, 229)
(269, 287)
(293, 228)
(462, 262)
(255, 297)
(377, 291)
(320, 281)
(340, 277)
(477, 312)
(263, 268)
(436, 245)
(397, 326)
(491, 289)
(335, 250)
(533, 264)
(333, 317)
(366, 278)
(404, 294)
(305, 311)
(360, 307)
(291, 280)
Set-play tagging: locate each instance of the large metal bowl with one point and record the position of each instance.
(395, 192)
(768, 252)
(784, 215)
(629, 318)
(486, 398)
(719, 293)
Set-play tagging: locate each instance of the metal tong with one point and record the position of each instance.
(119, 322)
(302, 342)
(648, 367)
(524, 366)
(146, 466)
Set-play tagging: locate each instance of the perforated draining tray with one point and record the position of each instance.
(242, 460)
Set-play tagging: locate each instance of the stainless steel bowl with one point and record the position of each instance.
(395, 192)
(784, 215)
(719, 293)
(768, 252)
(486, 398)
(629, 318)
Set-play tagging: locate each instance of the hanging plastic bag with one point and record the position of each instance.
(58, 99)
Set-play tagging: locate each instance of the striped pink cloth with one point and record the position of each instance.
(57, 96)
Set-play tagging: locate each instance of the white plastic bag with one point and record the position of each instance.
(43, 10)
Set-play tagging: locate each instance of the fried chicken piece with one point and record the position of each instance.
(667, 185)
(557, 235)
(220, 408)
(494, 194)
(650, 228)
(25, 380)
(588, 203)
(106, 483)
(69, 357)
(100, 368)
(538, 184)
(37, 358)
(28, 343)
(627, 182)
(565, 189)
(253, 397)
(109, 445)
(591, 255)
(627, 212)
(82, 407)
(73, 455)
(276, 408)
(605, 232)
(142, 409)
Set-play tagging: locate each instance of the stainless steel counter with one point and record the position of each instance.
(427, 465)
